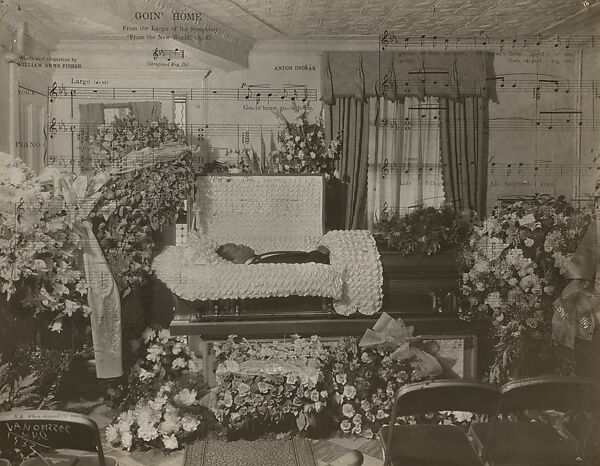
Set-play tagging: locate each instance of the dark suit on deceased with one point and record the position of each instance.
(241, 254)
(289, 257)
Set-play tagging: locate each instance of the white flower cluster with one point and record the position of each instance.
(155, 420)
(354, 254)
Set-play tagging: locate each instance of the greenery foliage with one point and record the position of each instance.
(133, 209)
(425, 230)
(33, 376)
(126, 134)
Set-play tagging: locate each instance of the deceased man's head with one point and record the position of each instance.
(236, 253)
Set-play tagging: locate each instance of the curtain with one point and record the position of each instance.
(91, 116)
(350, 116)
(145, 111)
(464, 148)
(404, 156)
(397, 74)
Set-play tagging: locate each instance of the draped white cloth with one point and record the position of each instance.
(105, 304)
(404, 156)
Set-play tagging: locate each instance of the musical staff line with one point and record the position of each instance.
(199, 129)
(395, 40)
(534, 169)
(558, 121)
(168, 54)
(506, 83)
(248, 93)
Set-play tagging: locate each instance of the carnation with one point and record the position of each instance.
(170, 442)
(186, 397)
(127, 440)
(112, 434)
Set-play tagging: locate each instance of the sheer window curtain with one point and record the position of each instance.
(404, 156)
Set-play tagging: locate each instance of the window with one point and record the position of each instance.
(115, 111)
(405, 168)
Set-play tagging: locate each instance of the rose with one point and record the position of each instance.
(341, 378)
(348, 410)
(346, 426)
(243, 389)
(349, 391)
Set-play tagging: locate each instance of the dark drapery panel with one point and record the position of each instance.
(91, 116)
(351, 116)
(145, 111)
(399, 74)
(464, 148)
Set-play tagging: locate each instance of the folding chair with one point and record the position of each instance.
(435, 445)
(537, 443)
(42, 433)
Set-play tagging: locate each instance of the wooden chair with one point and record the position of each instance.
(537, 443)
(44, 432)
(435, 445)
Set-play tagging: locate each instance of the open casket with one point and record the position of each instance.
(268, 213)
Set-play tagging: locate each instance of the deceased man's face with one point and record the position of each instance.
(236, 253)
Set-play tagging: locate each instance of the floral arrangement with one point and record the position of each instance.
(158, 358)
(134, 207)
(514, 269)
(258, 391)
(127, 134)
(269, 387)
(159, 404)
(304, 148)
(424, 231)
(363, 382)
(38, 248)
(163, 419)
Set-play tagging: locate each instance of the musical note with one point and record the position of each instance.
(384, 40)
(385, 171)
(483, 40)
(168, 54)
(486, 38)
(52, 92)
(385, 86)
(52, 128)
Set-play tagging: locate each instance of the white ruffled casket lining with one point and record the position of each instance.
(354, 279)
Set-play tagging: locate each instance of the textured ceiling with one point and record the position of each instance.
(267, 19)
(270, 19)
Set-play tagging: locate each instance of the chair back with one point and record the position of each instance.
(558, 393)
(446, 395)
(42, 431)
(550, 392)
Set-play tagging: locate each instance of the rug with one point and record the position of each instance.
(294, 452)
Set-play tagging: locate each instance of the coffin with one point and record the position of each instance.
(421, 290)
